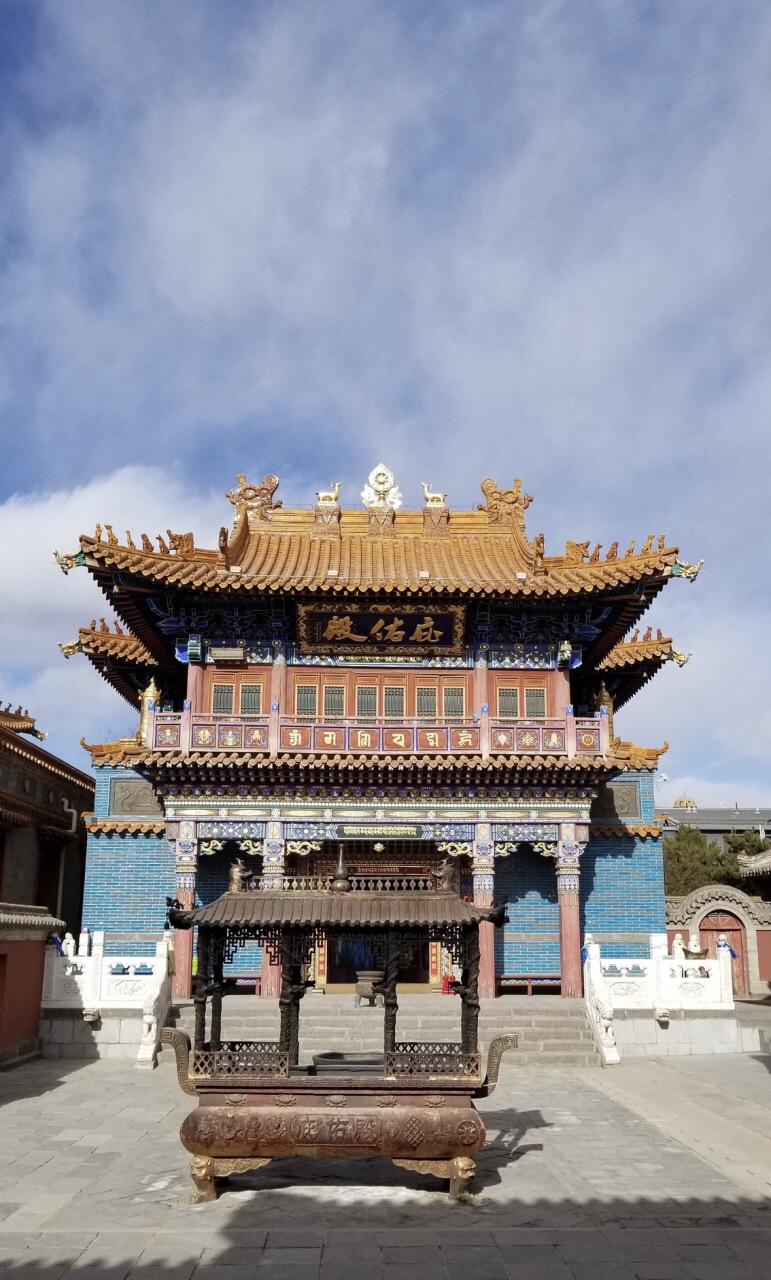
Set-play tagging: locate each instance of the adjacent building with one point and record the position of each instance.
(42, 863)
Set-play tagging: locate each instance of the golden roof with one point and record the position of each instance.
(111, 652)
(100, 642)
(19, 721)
(635, 652)
(380, 549)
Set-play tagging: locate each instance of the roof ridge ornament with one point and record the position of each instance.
(381, 492)
(504, 505)
(255, 498)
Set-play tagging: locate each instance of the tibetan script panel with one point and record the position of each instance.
(412, 630)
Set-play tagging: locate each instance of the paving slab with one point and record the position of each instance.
(653, 1171)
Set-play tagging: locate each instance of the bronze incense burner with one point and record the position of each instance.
(255, 1101)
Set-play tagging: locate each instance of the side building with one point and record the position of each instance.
(396, 688)
(42, 864)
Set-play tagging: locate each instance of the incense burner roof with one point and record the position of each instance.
(359, 910)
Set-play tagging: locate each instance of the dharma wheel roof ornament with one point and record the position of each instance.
(381, 492)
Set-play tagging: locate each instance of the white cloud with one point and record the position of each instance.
(507, 240)
(42, 606)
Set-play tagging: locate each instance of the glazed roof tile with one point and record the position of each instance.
(632, 653)
(623, 756)
(470, 558)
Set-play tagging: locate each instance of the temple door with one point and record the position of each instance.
(711, 927)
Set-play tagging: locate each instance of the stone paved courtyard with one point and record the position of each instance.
(651, 1171)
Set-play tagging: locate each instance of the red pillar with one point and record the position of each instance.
(270, 982)
(182, 982)
(486, 958)
(570, 931)
(482, 875)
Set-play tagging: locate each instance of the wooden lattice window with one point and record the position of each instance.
(222, 699)
(393, 701)
(334, 700)
(366, 700)
(453, 702)
(535, 703)
(425, 702)
(251, 699)
(508, 704)
(307, 699)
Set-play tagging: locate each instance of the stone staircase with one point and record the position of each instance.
(552, 1032)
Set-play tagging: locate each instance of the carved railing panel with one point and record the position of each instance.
(240, 1058)
(432, 1059)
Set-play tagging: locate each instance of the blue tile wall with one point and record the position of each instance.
(211, 881)
(622, 892)
(128, 878)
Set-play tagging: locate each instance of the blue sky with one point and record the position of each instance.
(467, 239)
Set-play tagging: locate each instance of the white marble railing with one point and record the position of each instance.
(599, 1007)
(95, 984)
(660, 985)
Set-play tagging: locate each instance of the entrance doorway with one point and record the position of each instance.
(711, 927)
(378, 865)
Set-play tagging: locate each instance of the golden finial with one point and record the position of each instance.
(147, 544)
(110, 535)
(630, 550)
(162, 545)
(130, 540)
(648, 545)
(612, 551)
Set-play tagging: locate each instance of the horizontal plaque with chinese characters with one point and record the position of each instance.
(346, 628)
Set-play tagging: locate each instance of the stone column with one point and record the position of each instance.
(185, 868)
(272, 878)
(483, 878)
(568, 869)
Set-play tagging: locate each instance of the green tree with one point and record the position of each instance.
(691, 861)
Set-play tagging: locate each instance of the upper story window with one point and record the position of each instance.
(222, 699)
(535, 703)
(251, 699)
(508, 704)
(393, 701)
(307, 699)
(334, 700)
(366, 700)
(425, 702)
(453, 702)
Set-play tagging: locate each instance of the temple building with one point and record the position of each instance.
(396, 691)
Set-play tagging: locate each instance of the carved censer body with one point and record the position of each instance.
(431, 1126)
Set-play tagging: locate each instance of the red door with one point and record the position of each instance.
(711, 927)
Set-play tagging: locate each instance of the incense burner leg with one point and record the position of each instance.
(462, 1170)
(202, 1173)
(206, 1170)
